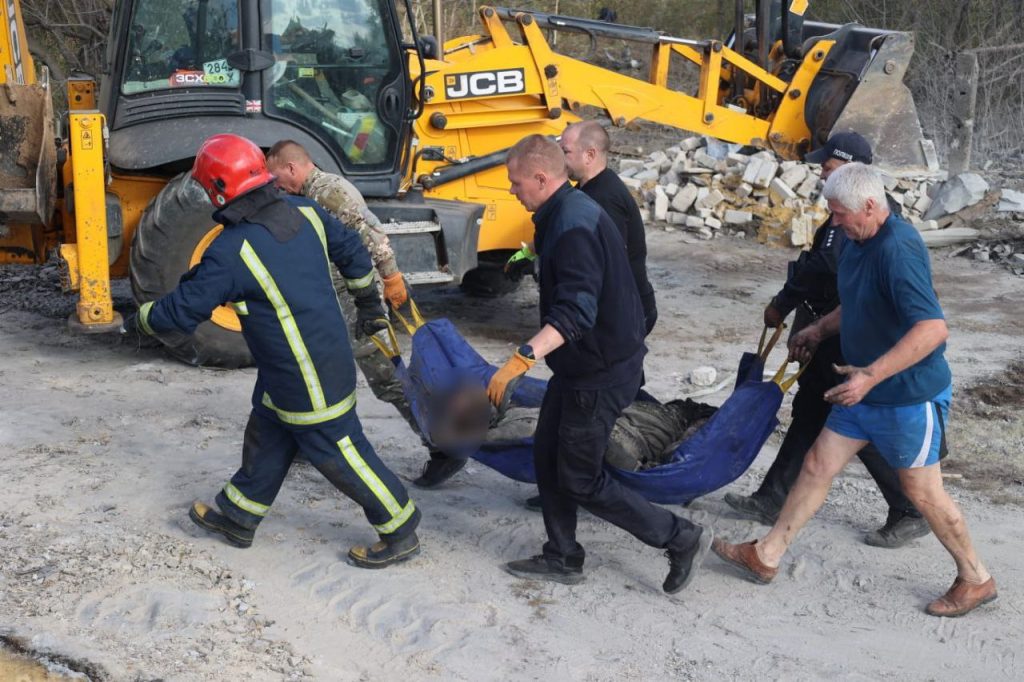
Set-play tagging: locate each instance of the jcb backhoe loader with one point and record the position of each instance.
(421, 128)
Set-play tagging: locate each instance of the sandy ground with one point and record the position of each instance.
(104, 447)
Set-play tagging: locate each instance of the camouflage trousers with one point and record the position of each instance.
(378, 370)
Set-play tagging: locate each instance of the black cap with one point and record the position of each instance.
(842, 146)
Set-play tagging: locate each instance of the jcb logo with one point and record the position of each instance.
(12, 29)
(483, 83)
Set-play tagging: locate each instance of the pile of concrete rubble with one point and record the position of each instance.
(706, 187)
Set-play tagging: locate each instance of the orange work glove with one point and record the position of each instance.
(517, 366)
(395, 292)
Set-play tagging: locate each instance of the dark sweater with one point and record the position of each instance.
(587, 292)
(611, 194)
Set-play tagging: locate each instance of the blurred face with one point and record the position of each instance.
(530, 186)
(829, 167)
(290, 176)
(858, 225)
(575, 158)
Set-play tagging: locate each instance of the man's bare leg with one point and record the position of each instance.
(923, 485)
(826, 458)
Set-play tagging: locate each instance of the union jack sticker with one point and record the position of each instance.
(253, 106)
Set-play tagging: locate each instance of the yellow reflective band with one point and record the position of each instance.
(370, 478)
(396, 523)
(360, 283)
(241, 308)
(798, 7)
(243, 502)
(144, 317)
(316, 416)
(288, 325)
(318, 225)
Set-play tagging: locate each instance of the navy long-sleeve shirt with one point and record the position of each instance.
(587, 292)
(276, 275)
(611, 194)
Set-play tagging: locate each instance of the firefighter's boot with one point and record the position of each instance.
(385, 552)
(208, 519)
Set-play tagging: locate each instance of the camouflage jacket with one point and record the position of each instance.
(341, 198)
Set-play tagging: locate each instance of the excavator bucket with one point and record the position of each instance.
(28, 155)
(860, 88)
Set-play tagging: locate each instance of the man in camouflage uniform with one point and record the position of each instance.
(297, 174)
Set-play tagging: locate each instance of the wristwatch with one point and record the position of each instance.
(526, 350)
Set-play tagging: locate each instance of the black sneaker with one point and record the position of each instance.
(533, 503)
(683, 564)
(539, 568)
(385, 553)
(438, 469)
(899, 529)
(753, 508)
(207, 519)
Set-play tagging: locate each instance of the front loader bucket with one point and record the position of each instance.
(28, 154)
(860, 89)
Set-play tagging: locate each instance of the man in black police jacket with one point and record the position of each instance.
(592, 331)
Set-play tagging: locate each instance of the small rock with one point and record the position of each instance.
(703, 376)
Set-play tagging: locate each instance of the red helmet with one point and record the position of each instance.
(228, 166)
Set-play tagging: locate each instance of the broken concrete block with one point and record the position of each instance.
(659, 158)
(957, 193)
(684, 198)
(645, 215)
(744, 190)
(780, 192)
(926, 225)
(759, 172)
(709, 200)
(808, 186)
(889, 181)
(1010, 200)
(628, 172)
(719, 150)
(922, 203)
(795, 176)
(676, 218)
(647, 174)
(801, 230)
(705, 233)
(660, 204)
(691, 143)
(738, 159)
(952, 235)
(734, 217)
(671, 189)
(626, 164)
(704, 213)
(631, 183)
(898, 198)
(694, 221)
(716, 224)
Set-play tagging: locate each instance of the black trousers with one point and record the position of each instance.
(810, 411)
(568, 453)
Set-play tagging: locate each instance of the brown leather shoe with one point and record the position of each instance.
(962, 598)
(745, 557)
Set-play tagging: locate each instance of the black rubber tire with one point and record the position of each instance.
(487, 279)
(171, 226)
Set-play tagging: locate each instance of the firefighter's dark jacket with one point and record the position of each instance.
(811, 281)
(271, 264)
(587, 292)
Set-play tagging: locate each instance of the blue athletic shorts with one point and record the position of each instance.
(907, 436)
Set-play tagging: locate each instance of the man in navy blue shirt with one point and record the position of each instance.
(271, 263)
(811, 291)
(897, 389)
(592, 332)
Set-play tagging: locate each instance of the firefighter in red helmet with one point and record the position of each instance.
(271, 263)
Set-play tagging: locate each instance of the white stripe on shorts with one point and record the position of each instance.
(926, 446)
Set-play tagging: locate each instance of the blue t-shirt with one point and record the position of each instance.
(885, 288)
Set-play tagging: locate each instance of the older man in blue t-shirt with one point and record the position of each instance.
(897, 390)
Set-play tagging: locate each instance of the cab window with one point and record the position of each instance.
(181, 43)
